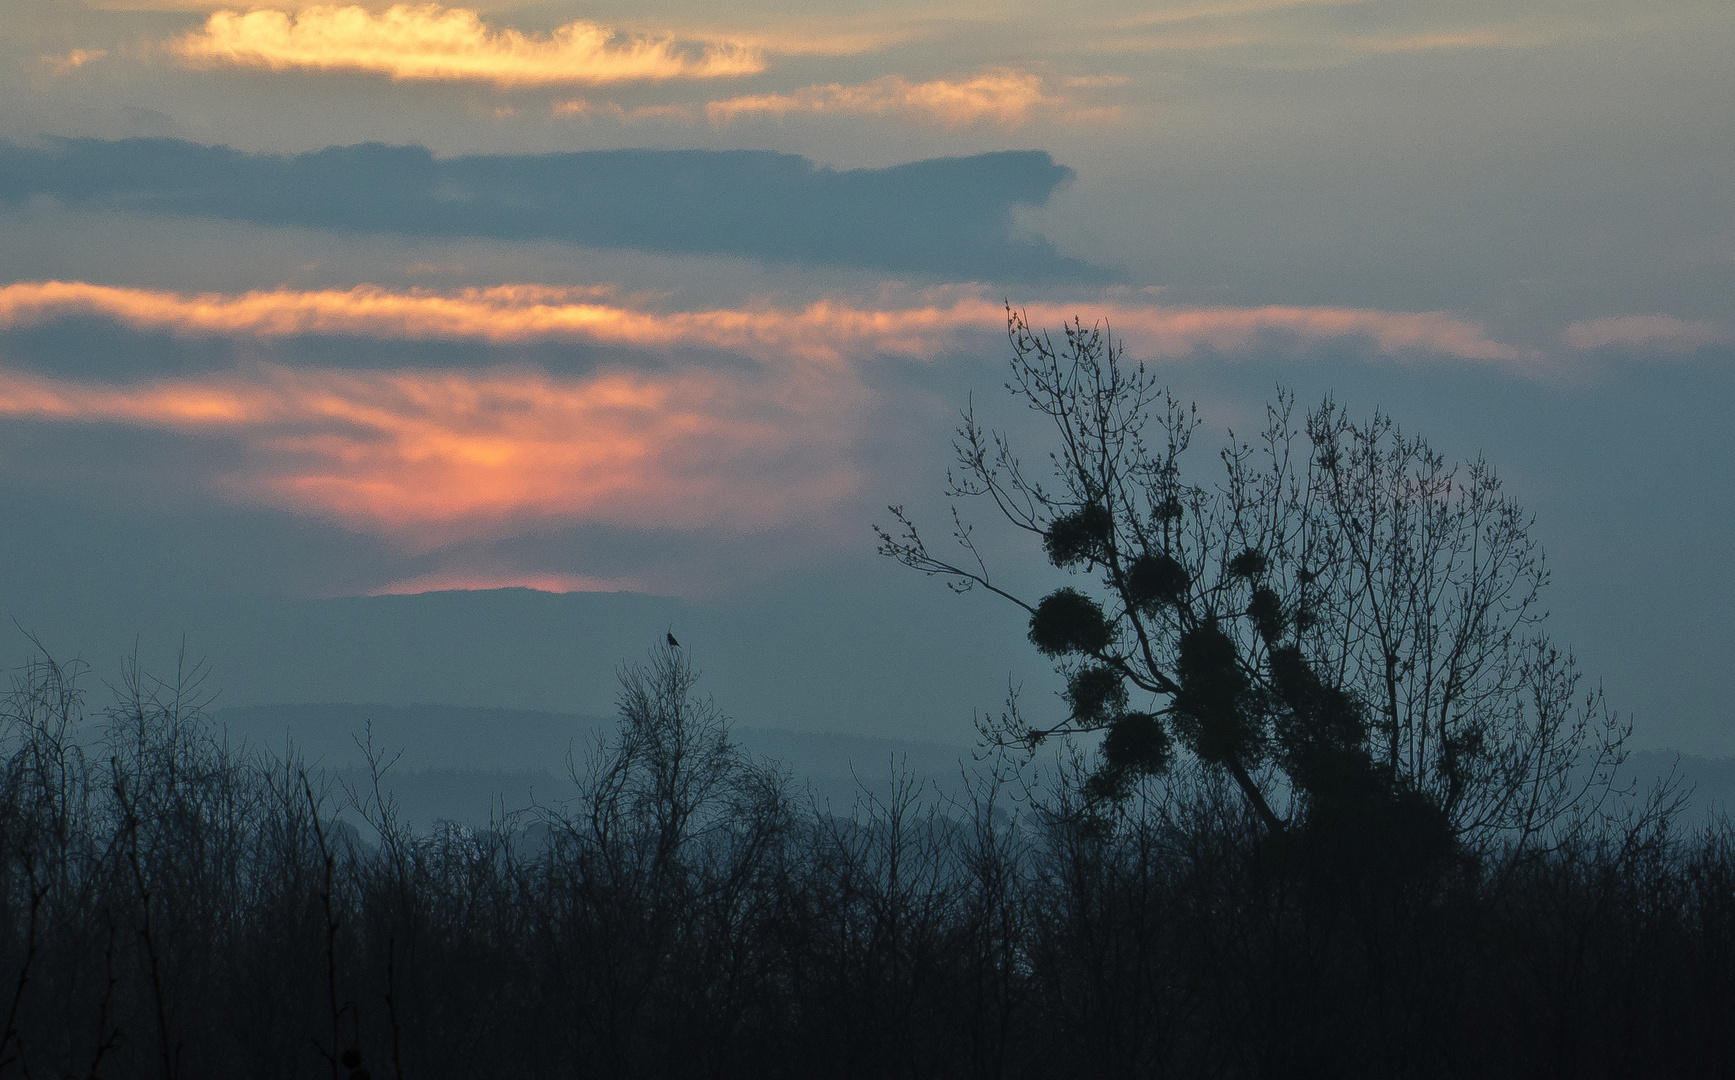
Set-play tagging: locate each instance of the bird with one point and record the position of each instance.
(673, 644)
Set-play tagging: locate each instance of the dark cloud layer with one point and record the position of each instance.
(950, 217)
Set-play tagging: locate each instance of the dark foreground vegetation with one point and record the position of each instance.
(175, 908)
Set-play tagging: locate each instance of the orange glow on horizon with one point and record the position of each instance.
(464, 581)
(429, 457)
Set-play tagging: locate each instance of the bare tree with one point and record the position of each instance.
(1347, 625)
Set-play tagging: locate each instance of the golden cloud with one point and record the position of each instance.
(828, 330)
(427, 41)
(1006, 97)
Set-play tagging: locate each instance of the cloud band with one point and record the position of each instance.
(427, 42)
(1004, 97)
(941, 321)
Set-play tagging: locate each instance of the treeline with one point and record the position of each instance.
(172, 907)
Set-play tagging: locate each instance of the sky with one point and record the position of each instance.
(306, 304)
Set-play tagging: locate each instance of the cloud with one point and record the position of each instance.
(1488, 37)
(821, 38)
(785, 33)
(77, 58)
(937, 322)
(1097, 82)
(1313, 33)
(1235, 9)
(1005, 97)
(1166, 331)
(426, 41)
(505, 314)
(428, 458)
(949, 217)
(466, 581)
(1657, 333)
(1288, 48)
(583, 109)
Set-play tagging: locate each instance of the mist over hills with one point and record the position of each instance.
(469, 764)
(466, 764)
(896, 662)
(482, 694)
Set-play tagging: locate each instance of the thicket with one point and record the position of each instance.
(172, 906)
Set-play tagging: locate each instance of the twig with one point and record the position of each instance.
(392, 1006)
(12, 1034)
(107, 1040)
(146, 932)
(330, 930)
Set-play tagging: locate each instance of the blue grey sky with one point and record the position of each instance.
(308, 309)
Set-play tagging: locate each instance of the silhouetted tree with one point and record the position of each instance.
(1342, 622)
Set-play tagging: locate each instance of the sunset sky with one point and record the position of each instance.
(306, 302)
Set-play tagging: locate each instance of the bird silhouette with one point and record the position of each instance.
(673, 644)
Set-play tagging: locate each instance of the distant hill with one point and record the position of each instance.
(899, 661)
(464, 763)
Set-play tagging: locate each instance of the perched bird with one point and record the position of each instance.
(673, 643)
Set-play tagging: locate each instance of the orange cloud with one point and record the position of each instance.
(427, 457)
(459, 580)
(1004, 97)
(1178, 331)
(73, 60)
(501, 314)
(427, 41)
(586, 110)
(822, 37)
(1661, 333)
(827, 330)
